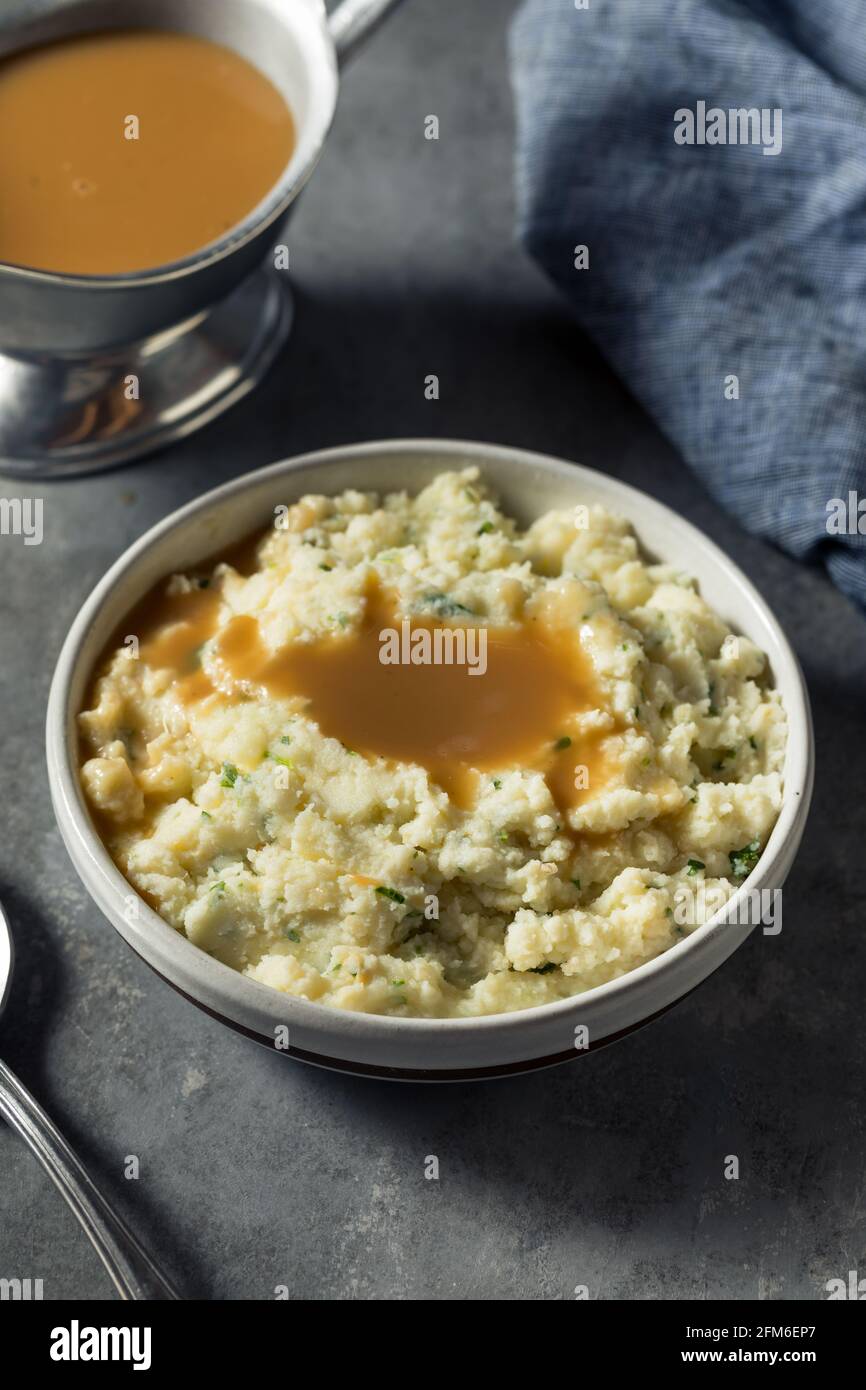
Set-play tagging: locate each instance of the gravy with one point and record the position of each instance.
(78, 196)
(519, 713)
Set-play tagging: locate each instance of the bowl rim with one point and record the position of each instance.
(190, 963)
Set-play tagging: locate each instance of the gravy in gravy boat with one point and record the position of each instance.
(126, 150)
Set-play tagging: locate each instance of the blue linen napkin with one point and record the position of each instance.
(726, 282)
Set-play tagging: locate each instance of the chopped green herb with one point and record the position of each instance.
(694, 866)
(485, 528)
(284, 738)
(292, 935)
(283, 762)
(218, 887)
(391, 893)
(230, 775)
(326, 568)
(576, 882)
(744, 860)
(206, 815)
(564, 742)
(497, 783)
(753, 743)
(443, 606)
(398, 983)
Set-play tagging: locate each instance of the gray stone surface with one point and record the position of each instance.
(257, 1171)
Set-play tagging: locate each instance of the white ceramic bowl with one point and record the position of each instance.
(424, 1049)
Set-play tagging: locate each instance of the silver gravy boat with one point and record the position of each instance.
(99, 369)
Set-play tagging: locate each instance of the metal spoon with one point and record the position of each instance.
(132, 1271)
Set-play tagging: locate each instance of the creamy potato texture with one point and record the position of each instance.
(417, 839)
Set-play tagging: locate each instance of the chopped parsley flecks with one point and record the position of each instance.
(576, 882)
(390, 893)
(218, 887)
(230, 775)
(445, 607)
(485, 528)
(326, 568)
(753, 743)
(292, 935)
(497, 783)
(206, 815)
(398, 983)
(744, 860)
(694, 866)
(564, 742)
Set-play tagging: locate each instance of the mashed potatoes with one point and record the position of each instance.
(408, 839)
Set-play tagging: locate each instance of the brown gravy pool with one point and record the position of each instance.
(78, 197)
(520, 713)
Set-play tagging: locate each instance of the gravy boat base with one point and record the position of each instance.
(78, 413)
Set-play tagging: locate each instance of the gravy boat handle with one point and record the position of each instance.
(352, 22)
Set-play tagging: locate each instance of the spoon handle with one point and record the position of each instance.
(132, 1271)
